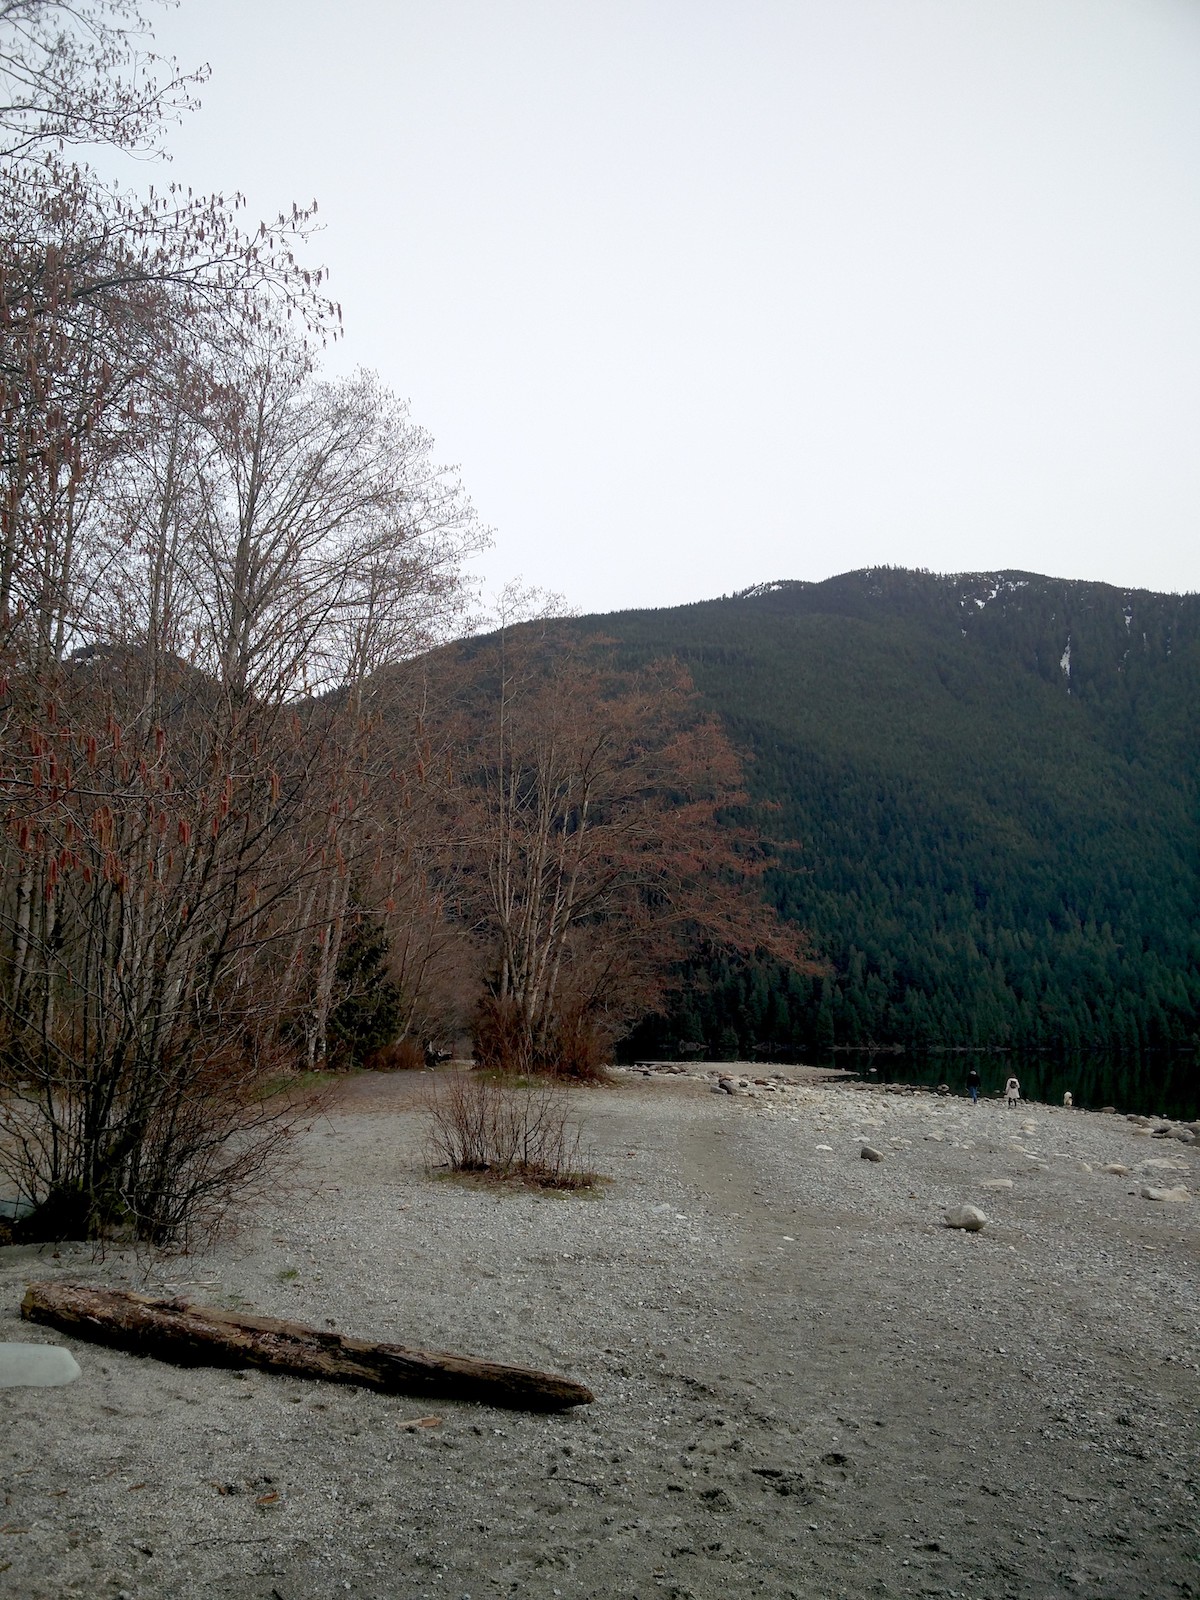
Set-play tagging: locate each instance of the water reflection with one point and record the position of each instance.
(1167, 1086)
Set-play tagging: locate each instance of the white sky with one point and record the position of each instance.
(703, 293)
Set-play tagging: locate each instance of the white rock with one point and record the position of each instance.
(828, 1147)
(1117, 1168)
(36, 1366)
(997, 1183)
(938, 1138)
(969, 1217)
(1177, 1196)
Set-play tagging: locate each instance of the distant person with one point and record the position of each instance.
(1012, 1092)
(973, 1085)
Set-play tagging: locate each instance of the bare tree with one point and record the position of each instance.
(207, 557)
(83, 74)
(187, 819)
(595, 808)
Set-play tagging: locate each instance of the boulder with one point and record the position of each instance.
(36, 1366)
(968, 1217)
(869, 1153)
(1117, 1168)
(1176, 1196)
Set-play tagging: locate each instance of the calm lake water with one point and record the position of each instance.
(1168, 1086)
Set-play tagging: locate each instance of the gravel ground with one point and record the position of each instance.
(806, 1384)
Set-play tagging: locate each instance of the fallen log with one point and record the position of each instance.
(207, 1336)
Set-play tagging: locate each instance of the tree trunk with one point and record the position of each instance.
(206, 1336)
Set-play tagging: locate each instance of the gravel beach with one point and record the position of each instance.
(806, 1383)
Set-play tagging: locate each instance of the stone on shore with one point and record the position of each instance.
(1176, 1196)
(36, 1366)
(869, 1153)
(968, 1217)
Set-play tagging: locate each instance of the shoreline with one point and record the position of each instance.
(806, 1384)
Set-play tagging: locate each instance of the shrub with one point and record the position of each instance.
(575, 1046)
(481, 1124)
(579, 1049)
(405, 1055)
(499, 1036)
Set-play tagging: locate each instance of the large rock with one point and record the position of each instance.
(996, 1183)
(968, 1217)
(869, 1153)
(36, 1366)
(1176, 1196)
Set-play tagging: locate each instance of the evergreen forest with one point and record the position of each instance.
(984, 794)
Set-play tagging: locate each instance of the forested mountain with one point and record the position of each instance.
(993, 780)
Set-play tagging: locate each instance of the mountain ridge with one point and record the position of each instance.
(995, 781)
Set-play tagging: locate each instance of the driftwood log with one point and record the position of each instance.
(207, 1336)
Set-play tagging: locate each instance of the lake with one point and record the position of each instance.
(1166, 1086)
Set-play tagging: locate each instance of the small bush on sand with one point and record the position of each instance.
(522, 1131)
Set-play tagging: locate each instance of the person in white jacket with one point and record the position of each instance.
(1012, 1092)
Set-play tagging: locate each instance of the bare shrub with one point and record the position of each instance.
(405, 1055)
(181, 1150)
(580, 1047)
(576, 1043)
(524, 1130)
(499, 1036)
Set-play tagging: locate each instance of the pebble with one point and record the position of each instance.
(997, 1183)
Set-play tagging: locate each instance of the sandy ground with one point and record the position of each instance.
(806, 1384)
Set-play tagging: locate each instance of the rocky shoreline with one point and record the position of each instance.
(807, 1383)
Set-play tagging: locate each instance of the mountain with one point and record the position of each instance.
(994, 783)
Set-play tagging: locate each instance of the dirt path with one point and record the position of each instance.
(806, 1386)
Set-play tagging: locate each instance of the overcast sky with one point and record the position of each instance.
(704, 293)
